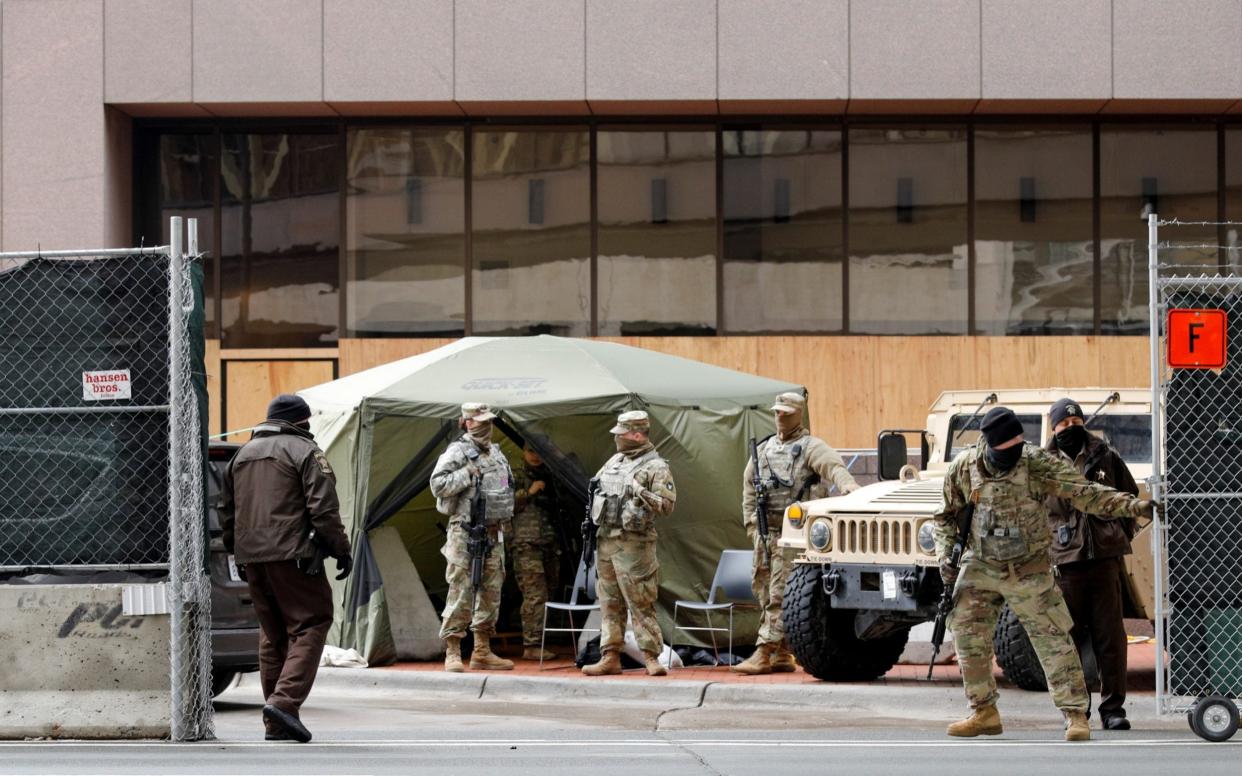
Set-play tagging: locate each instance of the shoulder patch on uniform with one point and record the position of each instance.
(322, 460)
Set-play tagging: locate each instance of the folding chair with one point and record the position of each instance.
(584, 583)
(733, 579)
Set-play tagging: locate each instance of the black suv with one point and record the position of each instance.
(234, 625)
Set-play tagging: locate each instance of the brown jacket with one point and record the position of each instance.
(276, 489)
(1078, 537)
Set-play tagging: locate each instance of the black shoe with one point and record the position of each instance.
(1116, 722)
(289, 723)
(279, 735)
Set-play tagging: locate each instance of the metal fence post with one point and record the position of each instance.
(1157, 429)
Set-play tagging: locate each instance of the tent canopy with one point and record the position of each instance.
(383, 429)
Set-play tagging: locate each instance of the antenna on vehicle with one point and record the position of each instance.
(989, 399)
(1112, 398)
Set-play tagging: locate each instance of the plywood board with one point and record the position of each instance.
(250, 385)
(211, 361)
(358, 355)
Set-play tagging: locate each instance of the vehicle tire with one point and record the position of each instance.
(1215, 718)
(1015, 654)
(822, 638)
(1194, 727)
(1018, 660)
(221, 680)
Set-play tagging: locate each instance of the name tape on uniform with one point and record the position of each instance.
(1196, 339)
(106, 385)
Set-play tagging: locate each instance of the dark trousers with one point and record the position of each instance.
(1092, 590)
(295, 612)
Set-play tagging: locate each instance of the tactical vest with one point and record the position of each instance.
(1010, 521)
(614, 505)
(497, 485)
(783, 466)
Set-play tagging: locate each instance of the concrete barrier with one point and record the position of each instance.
(73, 666)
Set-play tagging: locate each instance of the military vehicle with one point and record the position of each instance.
(866, 569)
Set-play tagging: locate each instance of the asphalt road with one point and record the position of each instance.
(356, 735)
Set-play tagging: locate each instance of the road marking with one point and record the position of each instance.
(595, 744)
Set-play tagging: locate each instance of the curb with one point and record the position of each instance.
(666, 694)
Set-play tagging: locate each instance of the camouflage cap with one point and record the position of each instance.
(789, 402)
(634, 420)
(472, 410)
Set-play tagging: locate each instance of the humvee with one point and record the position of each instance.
(866, 570)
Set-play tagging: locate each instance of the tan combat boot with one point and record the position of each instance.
(985, 721)
(758, 663)
(1077, 728)
(654, 667)
(452, 655)
(609, 663)
(537, 653)
(483, 659)
(783, 661)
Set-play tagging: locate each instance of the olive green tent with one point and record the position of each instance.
(383, 429)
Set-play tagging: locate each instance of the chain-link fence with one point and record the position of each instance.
(102, 402)
(1196, 327)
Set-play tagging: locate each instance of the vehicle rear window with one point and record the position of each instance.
(1130, 435)
(964, 431)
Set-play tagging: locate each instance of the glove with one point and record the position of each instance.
(1147, 508)
(241, 573)
(948, 573)
(344, 565)
(848, 489)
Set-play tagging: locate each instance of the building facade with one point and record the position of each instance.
(881, 199)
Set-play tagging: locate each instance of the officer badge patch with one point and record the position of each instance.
(1100, 475)
(322, 460)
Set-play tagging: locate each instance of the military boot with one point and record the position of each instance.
(537, 653)
(758, 663)
(483, 659)
(783, 661)
(1076, 726)
(654, 667)
(984, 721)
(609, 663)
(452, 655)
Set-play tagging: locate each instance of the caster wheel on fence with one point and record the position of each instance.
(1215, 718)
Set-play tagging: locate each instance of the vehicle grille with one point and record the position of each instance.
(873, 536)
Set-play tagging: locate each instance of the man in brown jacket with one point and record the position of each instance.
(1087, 553)
(280, 516)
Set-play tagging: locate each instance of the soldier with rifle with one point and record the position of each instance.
(784, 468)
(1006, 561)
(473, 486)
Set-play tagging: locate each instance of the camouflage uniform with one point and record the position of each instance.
(453, 486)
(797, 468)
(635, 488)
(536, 556)
(1007, 562)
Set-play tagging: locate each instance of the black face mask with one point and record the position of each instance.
(1071, 440)
(1003, 460)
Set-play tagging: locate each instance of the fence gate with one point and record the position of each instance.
(101, 433)
(1196, 361)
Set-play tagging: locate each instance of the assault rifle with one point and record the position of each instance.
(478, 543)
(761, 501)
(946, 597)
(590, 530)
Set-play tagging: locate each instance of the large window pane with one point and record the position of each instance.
(908, 252)
(280, 218)
(783, 232)
(657, 232)
(531, 237)
(1232, 235)
(1170, 171)
(405, 240)
(1033, 234)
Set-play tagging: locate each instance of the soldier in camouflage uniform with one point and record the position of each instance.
(1007, 562)
(795, 466)
(473, 461)
(635, 487)
(536, 556)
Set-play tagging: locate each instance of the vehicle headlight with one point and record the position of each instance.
(927, 537)
(795, 515)
(821, 535)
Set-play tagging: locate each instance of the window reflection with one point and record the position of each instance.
(405, 241)
(907, 221)
(187, 177)
(1231, 235)
(280, 221)
(531, 235)
(782, 230)
(1033, 231)
(1171, 171)
(657, 232)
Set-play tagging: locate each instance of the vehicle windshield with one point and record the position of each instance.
(1032, 429)
(1129, 435)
